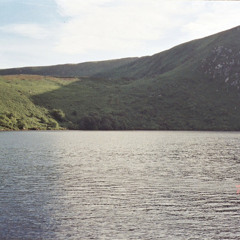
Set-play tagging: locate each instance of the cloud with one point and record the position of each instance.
(29, 30)
(114, 25)
(213, 18)
(75, 7)
(132, 26)
(62, 31)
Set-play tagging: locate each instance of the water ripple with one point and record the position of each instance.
(119, 185)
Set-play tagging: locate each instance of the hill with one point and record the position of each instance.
(193, 86)
(17, 108)
(217, 56)
(70, 70)
(214, 55)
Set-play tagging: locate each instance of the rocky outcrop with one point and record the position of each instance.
(223, 63)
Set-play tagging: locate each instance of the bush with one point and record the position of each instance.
(58, 114)
(4, 121)
(88, 123)
(21, 124)
(52, 124)
(8, 120)
(74, 113)
(107, 123)
(96, 122)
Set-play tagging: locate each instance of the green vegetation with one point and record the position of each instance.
(17, 109)
(193, 86)
(35, 102)
(71, 70)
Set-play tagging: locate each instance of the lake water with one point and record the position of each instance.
(119, 185)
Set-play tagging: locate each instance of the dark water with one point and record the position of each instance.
(119, 185)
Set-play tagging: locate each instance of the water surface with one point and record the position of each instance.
(119, 185)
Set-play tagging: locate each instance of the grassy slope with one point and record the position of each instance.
(158, 103)
(170, 90)
(17, 109)
(188, 57)
(70, 70)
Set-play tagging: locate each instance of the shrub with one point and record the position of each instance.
(58, 114)
(52, 124)
(21, 124)
(74, 113)
(88, 123)
(4, 121)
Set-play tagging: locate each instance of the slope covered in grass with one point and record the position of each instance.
(193, 86)
(17, 108)
(70, 70)
(34, 102)
(216, 55)
(201, 55)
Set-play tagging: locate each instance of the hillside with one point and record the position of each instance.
(214, 55)
(193, 86)
(70, 70)
(18, 110)
(217, 56)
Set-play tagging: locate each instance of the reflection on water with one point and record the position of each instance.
(119, 185)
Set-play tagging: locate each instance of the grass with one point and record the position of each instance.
(165, 102)
(17, 108)
(179, 89)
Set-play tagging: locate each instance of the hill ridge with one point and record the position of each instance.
(193, 86)
(132, 67)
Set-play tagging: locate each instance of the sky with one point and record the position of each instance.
(49, 32)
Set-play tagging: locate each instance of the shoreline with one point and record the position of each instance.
(115, 130)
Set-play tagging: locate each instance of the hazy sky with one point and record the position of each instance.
(47, 32)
